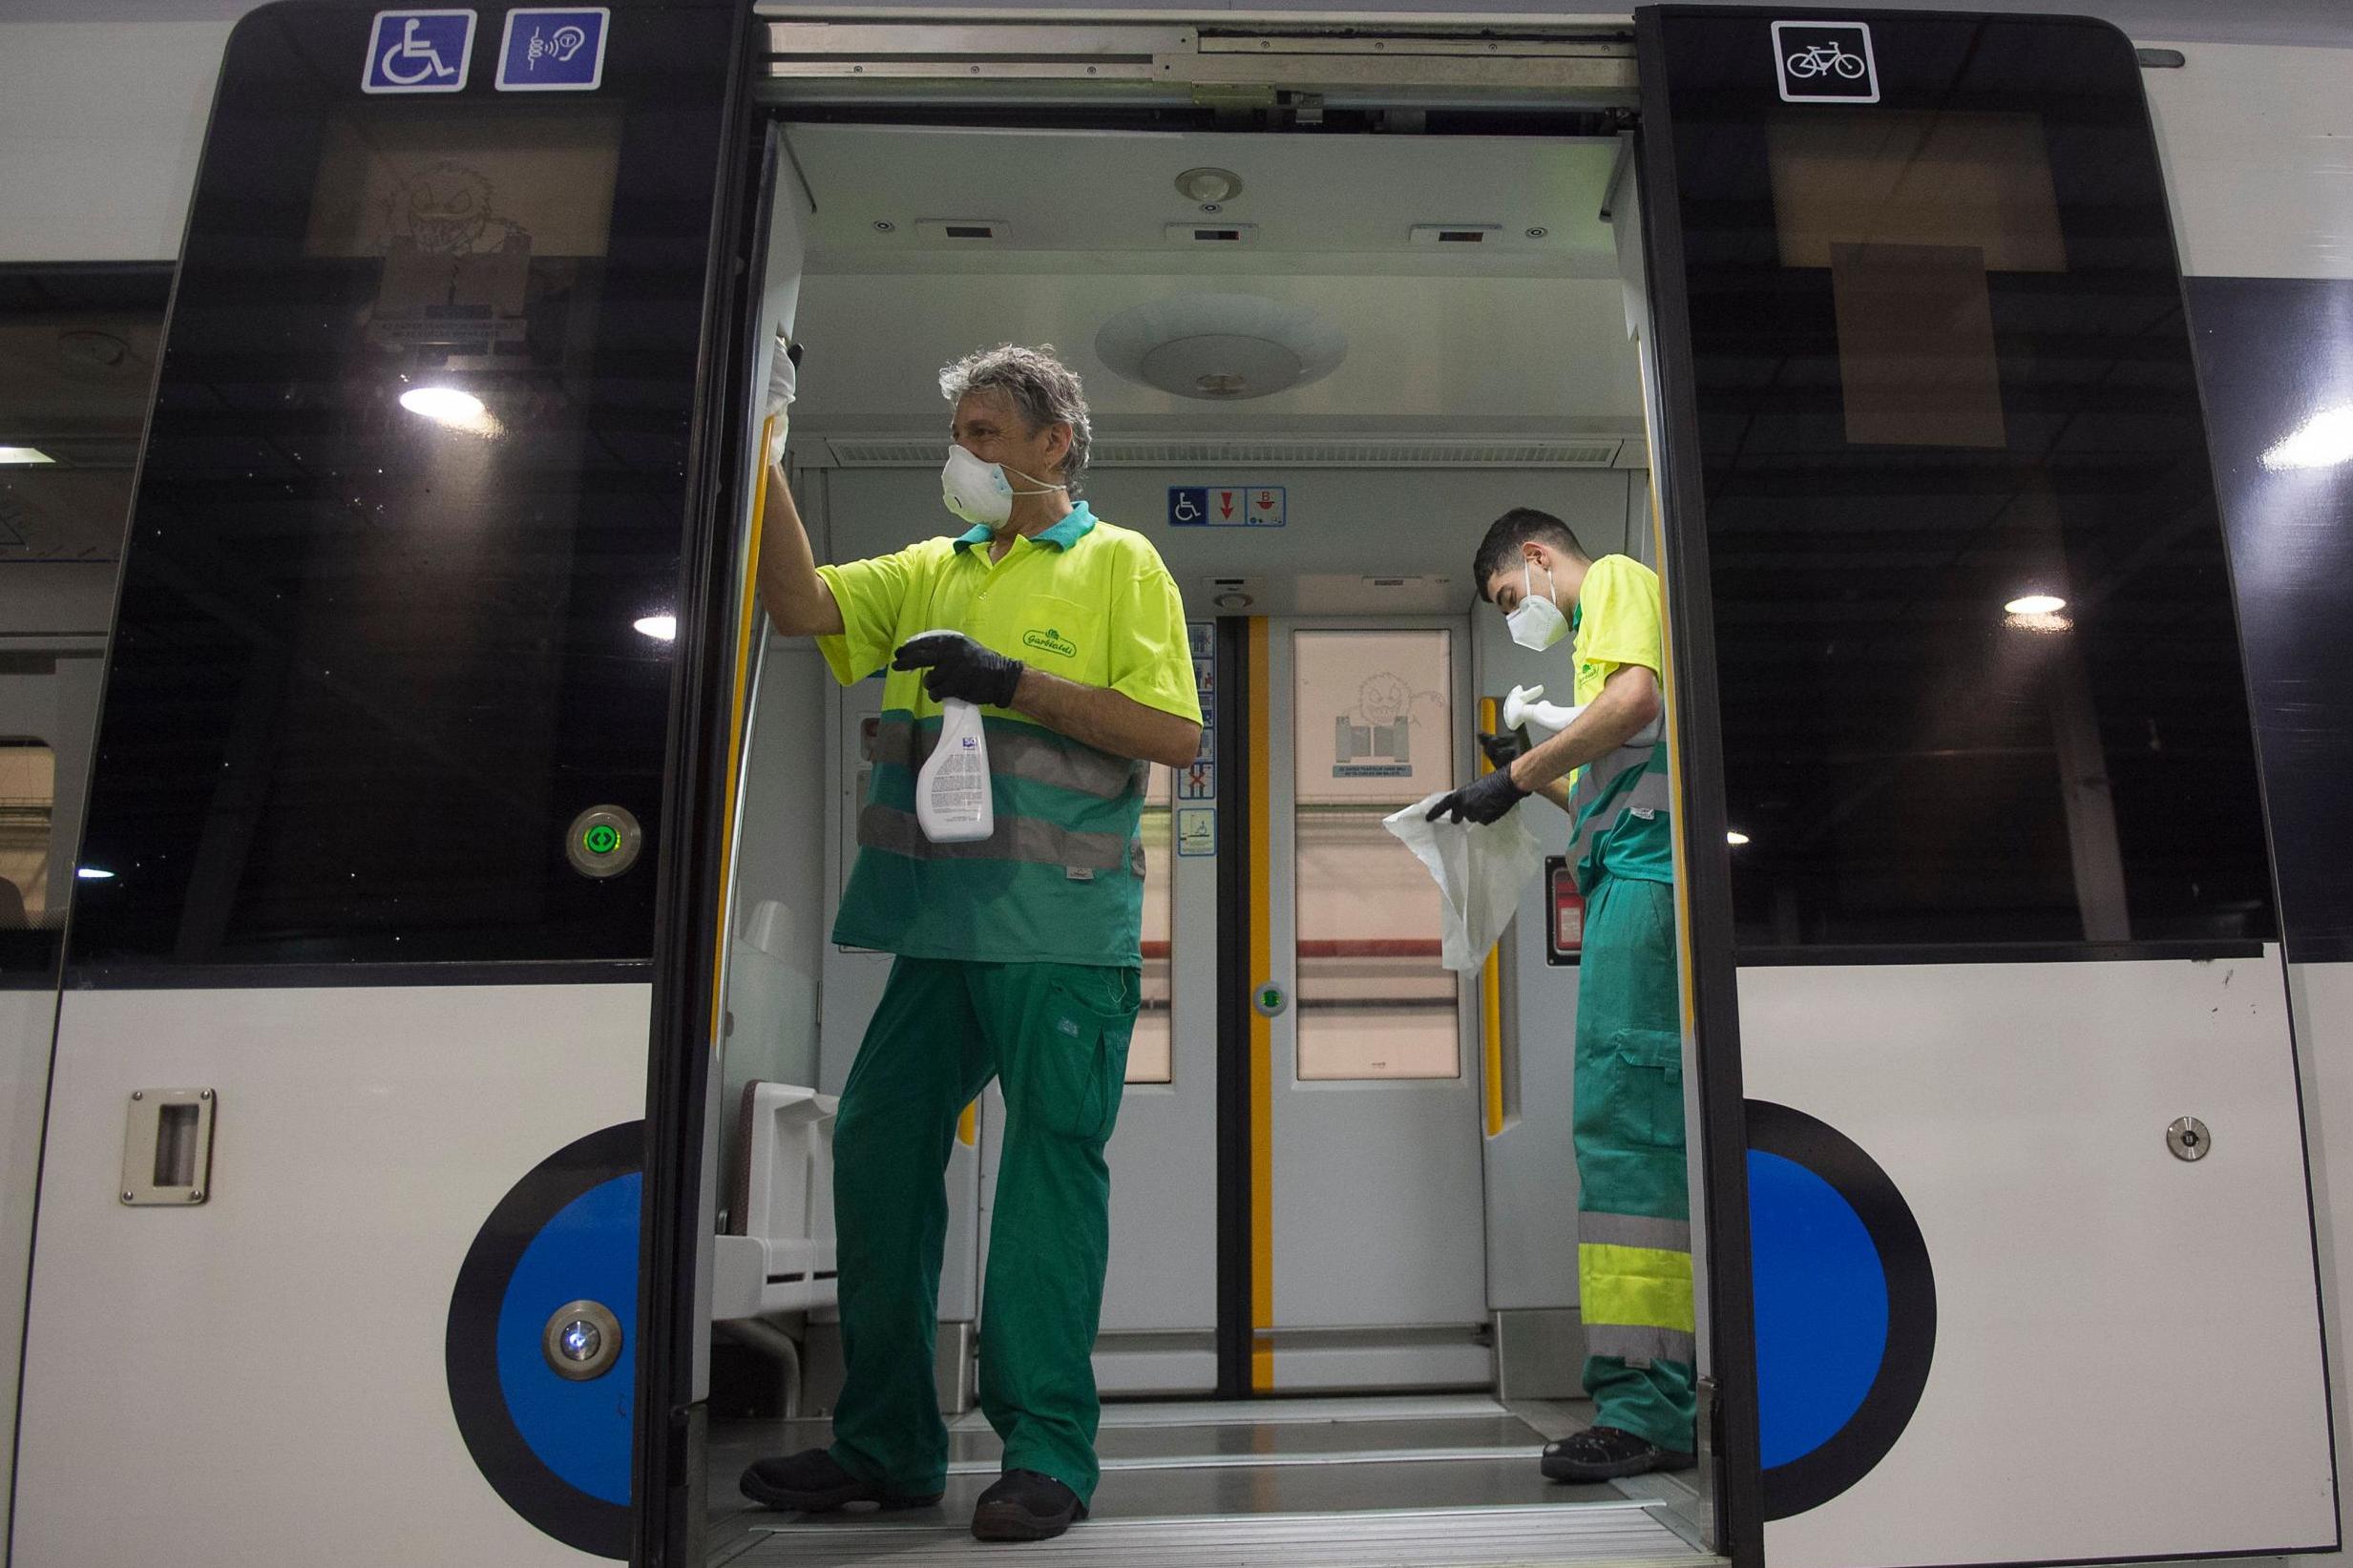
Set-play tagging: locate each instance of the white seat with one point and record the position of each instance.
(780, 1257)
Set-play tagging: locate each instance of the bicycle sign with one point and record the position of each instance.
(554, 50)
(418, 52)
(1826, 62)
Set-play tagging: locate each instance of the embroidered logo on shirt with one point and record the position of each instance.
(1069, 1028)
(1050, 641)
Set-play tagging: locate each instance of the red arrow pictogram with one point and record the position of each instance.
(1266, 500)
(1225, 503)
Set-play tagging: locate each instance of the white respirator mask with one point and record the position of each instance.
(979, 493)
(1538, 622)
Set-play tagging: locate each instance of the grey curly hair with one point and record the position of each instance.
(1042, 388)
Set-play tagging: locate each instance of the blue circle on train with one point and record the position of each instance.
(587, 1252)
(1822, 1308)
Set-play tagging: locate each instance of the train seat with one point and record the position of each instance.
(778, 1254)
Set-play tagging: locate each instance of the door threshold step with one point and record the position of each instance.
(1255, 1461)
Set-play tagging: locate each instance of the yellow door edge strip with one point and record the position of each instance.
(1262, 1027)
(748, 615)
(968, 1125)
(1491, 977)
(1674, 726)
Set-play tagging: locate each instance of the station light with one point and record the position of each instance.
(2036, 604)
(660, 628)
(443, 404)
(1733, 835)
(2322, 441)
(92, 874)
(23, 456)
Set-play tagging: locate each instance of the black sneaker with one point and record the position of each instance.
(1024, 1505)
(814, 1482)
(1605, 1453)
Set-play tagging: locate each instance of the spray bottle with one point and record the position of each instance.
(952, 800)
(1525, 705)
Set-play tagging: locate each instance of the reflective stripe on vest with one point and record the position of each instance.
(1634, 1286)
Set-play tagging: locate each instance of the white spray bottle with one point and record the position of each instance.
(952, 800)
(1525, 705)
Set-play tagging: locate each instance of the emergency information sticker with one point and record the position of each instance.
(1196, 830)
(554, 50)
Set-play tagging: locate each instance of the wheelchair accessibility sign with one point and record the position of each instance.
(418, 52)
(554, 50)
(1227, 506)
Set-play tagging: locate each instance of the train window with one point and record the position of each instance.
(28, 797)
(1371, 732)
(1979, 677)
(77, 357)
(1151, 1048)
(409, 518)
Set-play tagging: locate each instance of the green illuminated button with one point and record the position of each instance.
(604, 841)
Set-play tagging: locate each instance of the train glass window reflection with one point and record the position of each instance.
(377, 642)
(1944, 372)
(1151, 1048)
(1372, 731)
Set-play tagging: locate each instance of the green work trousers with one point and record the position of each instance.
(1056, 1036)
(1633, 1206)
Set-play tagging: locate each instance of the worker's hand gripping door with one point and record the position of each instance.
(1984, 961)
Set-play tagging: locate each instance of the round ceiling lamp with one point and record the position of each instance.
(1220, 347)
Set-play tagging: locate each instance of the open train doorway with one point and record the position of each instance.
(1342, 1302)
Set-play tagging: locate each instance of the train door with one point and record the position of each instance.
(1986, 961)
(1370, 1088)
(337, 1254)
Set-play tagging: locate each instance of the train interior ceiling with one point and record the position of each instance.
(1376, 343)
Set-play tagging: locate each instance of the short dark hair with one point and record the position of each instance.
(1512, 530)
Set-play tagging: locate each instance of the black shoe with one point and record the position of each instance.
(1605, 1453)
(813, 1482)
(1024, 1505)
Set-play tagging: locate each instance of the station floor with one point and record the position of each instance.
(1375, 1482)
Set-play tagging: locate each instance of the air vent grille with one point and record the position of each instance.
(851, 452)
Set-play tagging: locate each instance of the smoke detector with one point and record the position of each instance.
(1220, 347)
(1209, 184)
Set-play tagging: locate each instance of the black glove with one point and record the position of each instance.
(1506, 748)
(1483, 802)
(955, 666)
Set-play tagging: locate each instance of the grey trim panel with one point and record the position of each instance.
(1023, 838)
(1015, 755)
(1634, 1231)
(1636, 1343)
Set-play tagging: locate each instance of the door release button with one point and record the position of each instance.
(604, 841)
(1270, 998)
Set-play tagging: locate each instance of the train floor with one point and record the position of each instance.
(1370, 1482)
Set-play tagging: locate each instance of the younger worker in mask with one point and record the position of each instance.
(1633, 1230)
(1018, 955)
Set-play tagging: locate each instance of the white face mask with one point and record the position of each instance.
(1538, 622)
(978, 491)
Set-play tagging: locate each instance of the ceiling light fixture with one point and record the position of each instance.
(1220, 347)
(660, 628)
(23, 456)
(2036, 604)
(2322, 441)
